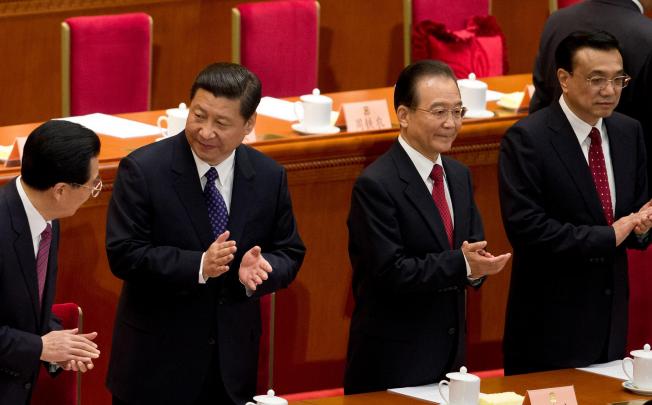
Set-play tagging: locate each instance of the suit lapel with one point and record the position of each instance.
(242, 195)
(621, 157)
(417, 193)
(564, 142)
(187, 184)
(459, 199)
(24, 247)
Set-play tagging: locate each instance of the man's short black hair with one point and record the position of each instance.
(406, 85)
(58, 152)
(568, 47)
(232, 81)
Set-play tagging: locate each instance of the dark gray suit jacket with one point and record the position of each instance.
(633, 30)
(167, 324)
(408, 325)
(568, 294)
(22, 322)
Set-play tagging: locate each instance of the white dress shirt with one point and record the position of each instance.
(35, 220)
(639, 5)
(224, 184)
(582, 130)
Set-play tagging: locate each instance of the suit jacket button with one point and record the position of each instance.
(28, 386)
(607, 291)
(211, 341)
(451, 331)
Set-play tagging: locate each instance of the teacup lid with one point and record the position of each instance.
(316, 97)
(471, 82)
(645, 353)
(462, 375)
(270, 399)
(181, 112)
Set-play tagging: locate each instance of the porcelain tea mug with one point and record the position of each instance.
(463, 388)
(314, 111)
(473, 93)
(175, 118)
(641, 362)
(269, 399)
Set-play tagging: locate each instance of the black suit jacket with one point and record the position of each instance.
(167, 324)
(22, 322)
(408, 324)
(568, 295)
(633, 30)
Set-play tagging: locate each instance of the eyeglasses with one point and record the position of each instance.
(442, 114)
(599, 82)
(95, 189)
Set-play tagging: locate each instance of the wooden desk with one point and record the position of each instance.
(590, 389)
(312, 316)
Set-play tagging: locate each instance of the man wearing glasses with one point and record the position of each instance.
(415, 243)
(59, 173)
(573, 191)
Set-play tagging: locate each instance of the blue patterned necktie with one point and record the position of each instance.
(217, 213)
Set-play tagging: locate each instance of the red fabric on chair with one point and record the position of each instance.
(479, 49)
(499, 372)
(453, 14)
(278, 42)
(109, 63)
(62, 389)
(566, 3)
(640, 299)
(302, 396)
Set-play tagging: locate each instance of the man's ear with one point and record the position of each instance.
(251, 123)
(563, 76)
(402, 113)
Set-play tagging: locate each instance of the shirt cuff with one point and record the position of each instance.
(201, 270)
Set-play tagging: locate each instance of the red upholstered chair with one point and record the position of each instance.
(266, 353)
(453, 14)
(557, 4)
(304, 396)
(279, 42)
(640, 299)
(65, 388)
(499, 372)
(106, 64)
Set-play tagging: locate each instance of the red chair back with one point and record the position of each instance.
(558, 4)
(278, 41)
(109, 64)
(640, 299)
(64, 389)
(453, 14)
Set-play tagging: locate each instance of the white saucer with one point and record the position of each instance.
(479, 114)
(628, 385)
(321, 131)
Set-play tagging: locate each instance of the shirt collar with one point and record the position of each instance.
(224, 168)
(581, 128)
(35, 220)
(422, 163)
(639, 5)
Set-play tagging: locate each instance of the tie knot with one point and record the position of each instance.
(46, 232)
(211, 174)
(595, 136)
(437, 173)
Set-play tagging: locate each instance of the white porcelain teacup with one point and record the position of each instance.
(269, 399)
(314, 111)
(463, 388)
(641, 375)
(175, 118)
(473, 93)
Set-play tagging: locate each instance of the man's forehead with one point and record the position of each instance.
(599, 60)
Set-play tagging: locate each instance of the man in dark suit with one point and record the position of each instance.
(570, 177)
(59, 173)
(199, 227)
(624, 19)
(415, 243)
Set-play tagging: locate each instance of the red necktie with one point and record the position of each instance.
(599, 172)
(42, 260)
(439, 197)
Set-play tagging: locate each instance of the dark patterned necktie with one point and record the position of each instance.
(217, 213)
(42, 260)
(599, 172)
(439, 197)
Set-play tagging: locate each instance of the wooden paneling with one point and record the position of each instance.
(361, 45)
